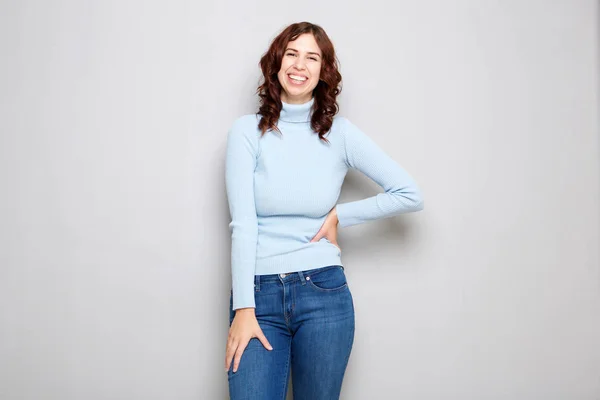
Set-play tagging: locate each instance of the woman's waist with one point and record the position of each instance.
(296, 275)
(305, 256)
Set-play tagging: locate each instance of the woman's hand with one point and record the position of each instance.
(329, 229)
(243, 328)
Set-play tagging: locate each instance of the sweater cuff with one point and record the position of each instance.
(345, 213)
(244, 299)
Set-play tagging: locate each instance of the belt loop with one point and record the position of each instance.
(257, 283)
(302, 280)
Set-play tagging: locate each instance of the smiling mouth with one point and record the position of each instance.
(297, 79)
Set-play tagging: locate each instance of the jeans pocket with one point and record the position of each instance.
(329, 279)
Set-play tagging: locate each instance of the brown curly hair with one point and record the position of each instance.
(325, 93)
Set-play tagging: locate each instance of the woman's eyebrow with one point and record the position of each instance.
(310, 52)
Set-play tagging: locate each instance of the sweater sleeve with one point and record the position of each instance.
(402, 195)
(241, 151)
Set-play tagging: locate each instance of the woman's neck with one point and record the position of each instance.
(296, 112)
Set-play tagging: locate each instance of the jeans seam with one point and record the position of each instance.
(287, 376)
(350, 342)
(337, 289)
(328, 290)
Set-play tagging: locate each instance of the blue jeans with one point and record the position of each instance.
(308, 318)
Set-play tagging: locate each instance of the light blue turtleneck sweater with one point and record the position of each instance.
(280, 189)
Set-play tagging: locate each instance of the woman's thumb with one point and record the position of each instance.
(318, 236)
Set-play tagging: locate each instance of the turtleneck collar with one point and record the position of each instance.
(296, 112)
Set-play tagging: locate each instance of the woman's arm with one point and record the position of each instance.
(242, 147)
(402, 195)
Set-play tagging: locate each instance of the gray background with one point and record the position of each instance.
(114, 279)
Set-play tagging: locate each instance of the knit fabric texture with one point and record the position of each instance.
(280, 188)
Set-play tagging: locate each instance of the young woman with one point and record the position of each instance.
(290, 305)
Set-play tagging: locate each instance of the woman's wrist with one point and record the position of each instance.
(245, 310)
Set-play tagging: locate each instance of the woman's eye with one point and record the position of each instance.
(294, 54)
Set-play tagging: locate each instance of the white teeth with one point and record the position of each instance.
(298, 78)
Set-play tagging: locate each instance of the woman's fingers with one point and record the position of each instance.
(232, 346)
(329, 228)
(318, 236)
(235, 349)
(263, 339)
(238, 355)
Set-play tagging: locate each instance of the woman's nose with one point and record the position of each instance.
(299, 65)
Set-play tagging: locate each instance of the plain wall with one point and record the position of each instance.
(114, 240)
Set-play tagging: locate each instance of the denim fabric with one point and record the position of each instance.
(308, 317)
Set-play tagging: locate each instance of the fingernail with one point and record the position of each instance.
(270, 348)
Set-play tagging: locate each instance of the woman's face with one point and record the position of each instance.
(300, 69)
